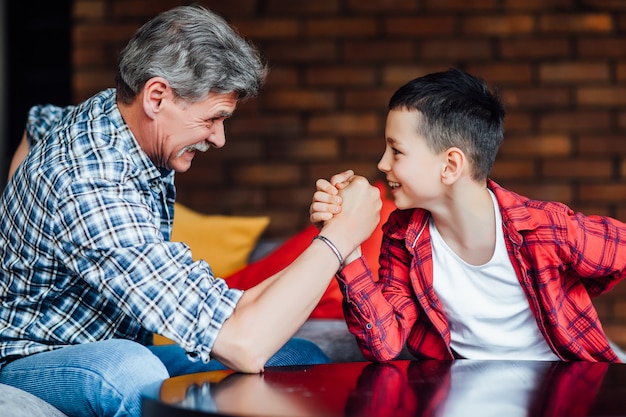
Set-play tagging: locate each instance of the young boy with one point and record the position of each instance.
(469, 269)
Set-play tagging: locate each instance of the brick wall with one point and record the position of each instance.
(559, 64)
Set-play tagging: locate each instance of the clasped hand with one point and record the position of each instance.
(347, 202)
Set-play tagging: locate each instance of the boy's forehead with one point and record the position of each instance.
(405, 115)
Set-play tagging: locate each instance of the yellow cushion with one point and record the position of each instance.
(224, 242)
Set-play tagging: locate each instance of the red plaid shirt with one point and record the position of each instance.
(562, 260)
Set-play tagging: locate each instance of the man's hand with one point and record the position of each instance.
(348, 208)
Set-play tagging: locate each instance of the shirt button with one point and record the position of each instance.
(368, 326)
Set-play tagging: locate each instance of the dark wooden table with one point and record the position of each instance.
(401, 388)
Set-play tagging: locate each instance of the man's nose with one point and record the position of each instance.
(218, 135)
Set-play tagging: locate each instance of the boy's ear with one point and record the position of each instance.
(454, 164)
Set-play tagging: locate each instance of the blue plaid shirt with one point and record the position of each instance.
(84, 242)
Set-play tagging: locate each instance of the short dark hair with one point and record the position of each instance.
(457, 109)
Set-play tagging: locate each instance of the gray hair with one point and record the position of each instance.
(196, 51)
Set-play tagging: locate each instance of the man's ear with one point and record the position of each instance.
(154, 90)
(454, 163)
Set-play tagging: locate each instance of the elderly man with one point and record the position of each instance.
(88, 272)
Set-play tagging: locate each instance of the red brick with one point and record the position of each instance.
(346, 123)
(602, 144)
(381, 6)
(88, 82)
(282, 76)
(340, 27)
(272, 125)
(604, 4)
(228, 8)
(592, 208)
(340, 76)
(240, 148)
(538, 5)
(457, 49)
(304, 149)
(575, 121)
(577, 168)
(140, 9)
(500, 73)
(602, 48)
(617, 333)
(299, 99)
(574, 72)
(535, 97)
(300, 52)
(544, 190)
(267, 28)
(89, 10)
(239, 200)
(621, 212)
(371, 148)
(611, 192)
(369, 99)
(621, 72)
(621, 120)
(267, 174)
(94, 57)
(293, 196)
(455, 5)
(203, 172)
(327, 169)
(576, 23)
(622, 169)
(103, 33)
(541, 145)
(534, 48)
(508, 169)
(517, 121)
(307, 8)
(285, 221)
(397, 75)
(378, 50)
(497, 25)
(420, 26)
(601, 96)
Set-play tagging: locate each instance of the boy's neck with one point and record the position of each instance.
(466, 222)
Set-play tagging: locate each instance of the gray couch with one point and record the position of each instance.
(17, 403)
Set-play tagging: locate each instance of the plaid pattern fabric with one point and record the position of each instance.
(562, 260)
(85, 254)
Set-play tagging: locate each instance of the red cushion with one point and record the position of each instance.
(330, 303)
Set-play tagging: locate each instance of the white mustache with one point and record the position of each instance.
(201, 146)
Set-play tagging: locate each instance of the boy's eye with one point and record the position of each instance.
(395, 151)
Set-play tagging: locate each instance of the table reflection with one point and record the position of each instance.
(408, 388)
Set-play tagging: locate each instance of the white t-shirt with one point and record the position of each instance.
(487, 309)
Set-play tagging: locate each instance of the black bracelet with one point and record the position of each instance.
(333, 248)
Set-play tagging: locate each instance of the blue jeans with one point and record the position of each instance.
(108, 378)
